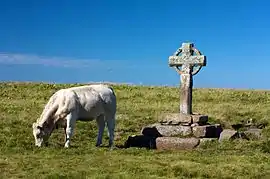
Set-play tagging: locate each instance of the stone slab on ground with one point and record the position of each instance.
(176, 143)
(179, 118)
(158, 130)
(254, 133)
(207, 131)
(227, 134)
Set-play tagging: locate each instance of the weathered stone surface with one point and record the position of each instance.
(207, 131)
(174, 118)
(166, 130)
(199, 118)
(186, 91)
(140, 141)
(180, 118)
(176, 143)
(254, 133)
(187, 49)
(227, 134)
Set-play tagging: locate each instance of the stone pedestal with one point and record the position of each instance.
(179, 131)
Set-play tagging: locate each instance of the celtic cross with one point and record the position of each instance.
(190, 65)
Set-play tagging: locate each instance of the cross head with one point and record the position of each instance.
(187, 60)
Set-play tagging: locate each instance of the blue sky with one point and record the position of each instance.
(130, 41)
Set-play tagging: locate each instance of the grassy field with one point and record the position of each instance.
(22, 103)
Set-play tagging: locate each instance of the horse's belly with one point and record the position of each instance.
(90, 109)
(89, 115)
(85, 119)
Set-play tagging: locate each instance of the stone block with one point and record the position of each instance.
(227, 134)
(199, 118)
(179, 118)
(254, 133)
(207, 131)
(176, 143)
(158, 130)
(174, 118)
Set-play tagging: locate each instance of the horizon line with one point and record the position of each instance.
(127, 84)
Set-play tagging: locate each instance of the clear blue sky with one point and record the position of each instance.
(130, 41)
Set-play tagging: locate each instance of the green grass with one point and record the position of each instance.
(22, 103)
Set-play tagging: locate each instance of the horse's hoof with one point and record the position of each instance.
(112, 148)
(66, 146)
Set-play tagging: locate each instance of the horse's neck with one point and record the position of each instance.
(46, 117)
(47, 122)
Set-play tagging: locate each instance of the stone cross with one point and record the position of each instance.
(190, 65)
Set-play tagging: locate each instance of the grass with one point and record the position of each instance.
(22, 103)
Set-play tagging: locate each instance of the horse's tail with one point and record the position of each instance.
(111, 88)
(114, 101)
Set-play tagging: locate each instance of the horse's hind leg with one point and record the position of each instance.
(101, 125)
(110, 119)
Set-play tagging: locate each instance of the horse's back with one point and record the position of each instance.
(95, 100)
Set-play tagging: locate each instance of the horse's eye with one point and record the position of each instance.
(39, 135)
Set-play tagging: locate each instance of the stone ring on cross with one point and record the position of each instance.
(188, 62)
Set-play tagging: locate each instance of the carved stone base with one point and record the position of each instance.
(179, 118)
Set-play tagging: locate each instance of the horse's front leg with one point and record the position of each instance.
(65, 128)
(71, 120)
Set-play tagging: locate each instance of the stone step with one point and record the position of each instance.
(207, 131)
(158, 130)
(176, 143)
(178, 118)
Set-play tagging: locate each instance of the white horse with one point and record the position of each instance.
(84, 103)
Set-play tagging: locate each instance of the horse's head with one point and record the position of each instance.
(41, 134)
